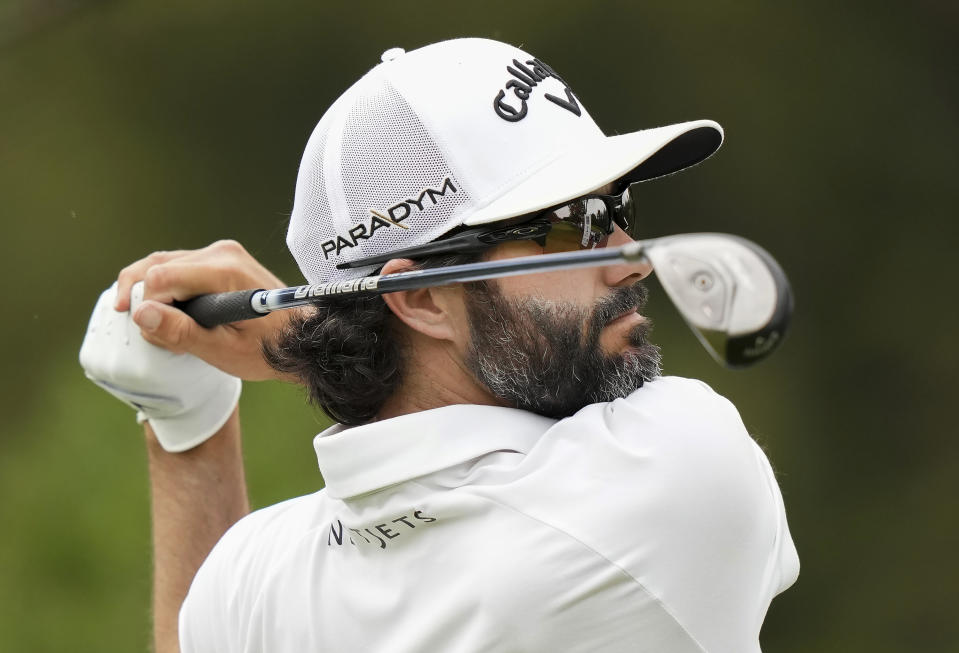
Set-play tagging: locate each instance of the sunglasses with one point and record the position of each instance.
(582, 223)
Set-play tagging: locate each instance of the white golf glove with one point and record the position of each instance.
(185, 399)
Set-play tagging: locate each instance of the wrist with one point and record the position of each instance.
(225, 441)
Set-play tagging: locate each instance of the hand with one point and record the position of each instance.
(223, 266)
(185, 399)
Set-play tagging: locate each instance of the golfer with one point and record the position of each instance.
(509, 471)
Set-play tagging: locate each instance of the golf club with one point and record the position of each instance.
(731, 292)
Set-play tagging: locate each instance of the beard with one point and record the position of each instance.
(545, 357)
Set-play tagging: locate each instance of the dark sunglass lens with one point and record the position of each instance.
(599, 220)
(563, 237)
(588, 217)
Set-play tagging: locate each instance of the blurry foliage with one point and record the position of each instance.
(127, 127)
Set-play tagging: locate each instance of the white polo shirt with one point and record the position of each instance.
(651, 523)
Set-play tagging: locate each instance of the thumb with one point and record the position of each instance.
(167, 327)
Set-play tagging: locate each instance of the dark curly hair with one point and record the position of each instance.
(345, 351)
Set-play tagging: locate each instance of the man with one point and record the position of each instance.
(510, 472)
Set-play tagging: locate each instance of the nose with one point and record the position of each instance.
(624, 274)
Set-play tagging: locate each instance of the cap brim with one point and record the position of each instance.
(638, 156)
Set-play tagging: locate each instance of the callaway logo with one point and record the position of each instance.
(524, 79)
(392, 217)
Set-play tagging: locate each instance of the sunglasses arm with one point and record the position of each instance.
(467, 242)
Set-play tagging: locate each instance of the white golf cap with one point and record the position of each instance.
(463, 132)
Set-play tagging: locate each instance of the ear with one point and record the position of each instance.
(438, 312)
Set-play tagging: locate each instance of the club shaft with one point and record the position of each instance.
(223, 308)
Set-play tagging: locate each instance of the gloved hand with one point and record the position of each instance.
(185, 399)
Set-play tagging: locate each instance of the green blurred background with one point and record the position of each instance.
(130, 126)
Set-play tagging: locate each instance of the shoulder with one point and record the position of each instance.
(673, 443)
(670, 416)
(226, 586)
(669, 486)
(675, 398)
(692, 440)
(672, 462)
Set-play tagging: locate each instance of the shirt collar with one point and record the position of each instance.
(373, 456)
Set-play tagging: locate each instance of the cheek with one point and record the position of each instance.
(576, 286)
(583, 286)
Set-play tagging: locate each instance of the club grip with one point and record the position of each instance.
(220, 308)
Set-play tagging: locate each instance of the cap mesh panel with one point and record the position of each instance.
(310, 224)
(388, 159)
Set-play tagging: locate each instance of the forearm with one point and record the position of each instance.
(184, 379)
(195, 497)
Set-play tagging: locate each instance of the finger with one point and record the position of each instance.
(221, 267)
(136, 272)
(167, 327)
(183, 279)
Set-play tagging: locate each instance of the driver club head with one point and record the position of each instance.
(731, 292)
